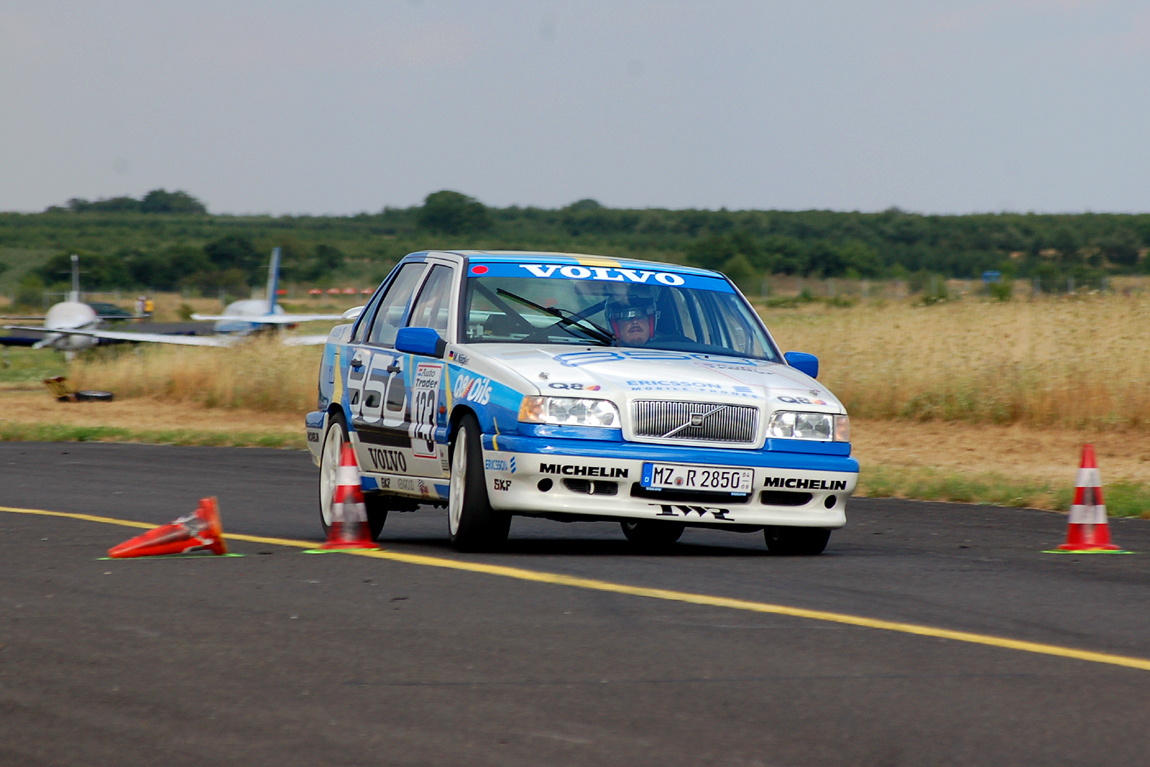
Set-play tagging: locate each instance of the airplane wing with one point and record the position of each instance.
(155, 338)
(270, 319)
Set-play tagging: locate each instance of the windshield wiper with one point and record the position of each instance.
(565, 320)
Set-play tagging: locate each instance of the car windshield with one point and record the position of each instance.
(543, 303)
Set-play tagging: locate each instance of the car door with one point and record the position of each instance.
(376, 389)
(433, 307)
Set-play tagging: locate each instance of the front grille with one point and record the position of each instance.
(729, 423)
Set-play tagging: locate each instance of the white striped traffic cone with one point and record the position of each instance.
(1088, 530)
(349, 528)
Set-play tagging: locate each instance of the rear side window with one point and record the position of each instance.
(389, 317)
(365, 318)
(434, 302)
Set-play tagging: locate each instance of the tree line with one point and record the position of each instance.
(167, 240)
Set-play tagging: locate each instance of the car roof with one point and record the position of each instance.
(574, 259)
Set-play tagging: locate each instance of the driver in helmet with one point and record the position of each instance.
(632, 319)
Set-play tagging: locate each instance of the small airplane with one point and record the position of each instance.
(72, 326)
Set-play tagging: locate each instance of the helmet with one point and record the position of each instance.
(632, 308)
(629, 309)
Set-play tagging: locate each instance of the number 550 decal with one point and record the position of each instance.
(424, 408)
(376, 389)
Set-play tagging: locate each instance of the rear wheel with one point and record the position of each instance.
(471, 521)
(796, 541)
(333, 440)
(651, 534)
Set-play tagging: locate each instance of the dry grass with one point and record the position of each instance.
(1073, 362)
(259, 375)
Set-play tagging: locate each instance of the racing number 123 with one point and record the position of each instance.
(424, 407)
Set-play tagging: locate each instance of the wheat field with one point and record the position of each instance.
(1075, 362)
(261, 375)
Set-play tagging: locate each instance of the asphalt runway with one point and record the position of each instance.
(286, 658)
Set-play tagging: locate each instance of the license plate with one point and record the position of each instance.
(717, 479)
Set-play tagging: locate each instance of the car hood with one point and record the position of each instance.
(624, 375)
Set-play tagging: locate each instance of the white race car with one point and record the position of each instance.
(579, 387)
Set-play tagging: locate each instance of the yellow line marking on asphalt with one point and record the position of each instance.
(558, 579)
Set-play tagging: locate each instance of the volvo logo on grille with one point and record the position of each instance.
(695, 421)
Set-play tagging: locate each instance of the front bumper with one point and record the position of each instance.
(527, 475)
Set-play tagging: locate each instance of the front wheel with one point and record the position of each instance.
(471, 521)
(796, 541)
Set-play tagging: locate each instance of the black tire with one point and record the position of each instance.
(376, 504)
(471, 522)
(92, 395)
(651, 534)
(796, 541)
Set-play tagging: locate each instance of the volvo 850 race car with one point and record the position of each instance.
(579, 388)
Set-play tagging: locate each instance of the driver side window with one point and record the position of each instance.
(389, 317)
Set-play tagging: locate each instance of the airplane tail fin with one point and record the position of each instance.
(273, 280)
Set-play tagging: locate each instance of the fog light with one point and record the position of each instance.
(544, 484)
(830, 502)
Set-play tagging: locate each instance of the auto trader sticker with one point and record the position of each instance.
(425, 408)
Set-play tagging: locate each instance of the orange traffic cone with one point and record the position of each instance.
(200, 530)
(349, 528)
(1088, 530)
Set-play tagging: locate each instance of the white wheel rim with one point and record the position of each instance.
(458, 481)
(329, 467)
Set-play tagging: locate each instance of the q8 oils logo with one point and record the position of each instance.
(472, 389)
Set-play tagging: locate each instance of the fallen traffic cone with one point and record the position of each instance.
(349, 528)
(200, 530)
(1088, 530)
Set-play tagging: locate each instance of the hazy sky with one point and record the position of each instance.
(342, 107)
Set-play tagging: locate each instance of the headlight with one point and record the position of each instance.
(818, 426)
(567, 411)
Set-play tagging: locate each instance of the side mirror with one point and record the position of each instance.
(352, 313)
(423, 341)
(803, 362)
